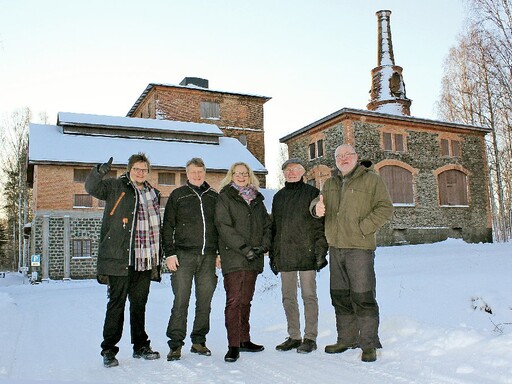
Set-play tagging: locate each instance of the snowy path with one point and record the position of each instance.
(430, 331)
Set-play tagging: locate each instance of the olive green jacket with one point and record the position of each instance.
(356, 206)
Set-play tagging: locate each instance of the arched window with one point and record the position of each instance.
(399, 183)
(453, 187)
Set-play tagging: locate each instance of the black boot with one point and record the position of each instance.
(232, 355)
(109, 359)
(249, 346)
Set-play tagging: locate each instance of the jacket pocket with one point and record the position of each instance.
(117, 203)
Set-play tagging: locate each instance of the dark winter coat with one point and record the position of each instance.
(241, 226)
(356, 206)
(189, 223)
(115, 250)
(298, 238)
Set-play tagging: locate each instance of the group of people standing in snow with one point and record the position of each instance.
(231, 230)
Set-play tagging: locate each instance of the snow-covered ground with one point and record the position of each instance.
(446, 317)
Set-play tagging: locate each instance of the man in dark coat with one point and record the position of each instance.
(190, 246)
(298, 251)
(128, 252)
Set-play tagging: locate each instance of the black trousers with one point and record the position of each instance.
(135, 287)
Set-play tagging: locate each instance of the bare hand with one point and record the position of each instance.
(172, 263)
(320, 207)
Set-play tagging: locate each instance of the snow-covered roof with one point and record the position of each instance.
(48, 144)
(79, 119)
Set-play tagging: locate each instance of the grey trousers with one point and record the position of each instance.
(199, 269)
(289, 283)
(353, 296)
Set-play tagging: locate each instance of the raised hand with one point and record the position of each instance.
(105, 168)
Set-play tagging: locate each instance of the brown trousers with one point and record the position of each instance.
(239, 288)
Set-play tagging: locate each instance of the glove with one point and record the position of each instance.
(260, 251)
(105, 168)
(251, 256)
(273, 266)
(321, 262)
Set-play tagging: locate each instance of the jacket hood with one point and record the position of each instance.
(363, 167)
(367, 164)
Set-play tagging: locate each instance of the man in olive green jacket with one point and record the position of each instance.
(355, 205)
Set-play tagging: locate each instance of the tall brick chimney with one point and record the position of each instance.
(388, 88)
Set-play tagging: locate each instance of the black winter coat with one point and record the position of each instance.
(117, 234)
(298, 238)
(241, 226)
(189, 223)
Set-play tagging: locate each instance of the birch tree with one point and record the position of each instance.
(476, 90)
(13, 187)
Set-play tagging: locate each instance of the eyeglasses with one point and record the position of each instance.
(344, 155)
(292, 169)
(140, 170)
(241, 174)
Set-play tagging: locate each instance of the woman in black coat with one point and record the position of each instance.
(244, 228)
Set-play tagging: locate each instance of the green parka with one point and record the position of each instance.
(356, 206)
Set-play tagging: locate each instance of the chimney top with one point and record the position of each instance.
(197, 81)
(387, 94)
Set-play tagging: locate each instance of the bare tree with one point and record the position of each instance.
(283, 156)
(476, 89)
(14, 154)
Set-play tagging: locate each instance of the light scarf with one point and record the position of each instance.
(147, 230)
(248, 192)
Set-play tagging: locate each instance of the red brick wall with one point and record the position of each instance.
(239, 114)
(54, 188)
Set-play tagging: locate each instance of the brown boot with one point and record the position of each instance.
(339, 347)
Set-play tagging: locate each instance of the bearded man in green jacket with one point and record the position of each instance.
(355, 204)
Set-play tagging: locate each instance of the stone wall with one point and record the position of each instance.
(426, 221)
(81, 226)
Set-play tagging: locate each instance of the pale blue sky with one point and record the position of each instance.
(312, 57)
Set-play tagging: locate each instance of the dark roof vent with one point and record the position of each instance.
(197, 81)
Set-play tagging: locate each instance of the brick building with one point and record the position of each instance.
(65, 228)
(237, 115)
(436, 171)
